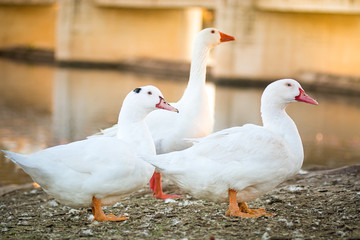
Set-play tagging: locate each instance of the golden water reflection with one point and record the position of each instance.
(42, 106)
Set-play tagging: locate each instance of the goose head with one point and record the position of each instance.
(283, 92)
(211, 37)
(143, 100)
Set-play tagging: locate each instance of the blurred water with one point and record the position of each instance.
(42, 106)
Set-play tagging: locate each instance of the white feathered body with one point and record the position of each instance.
(226, 161)
(106, 168)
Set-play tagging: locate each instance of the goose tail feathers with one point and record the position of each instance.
(163, 163)
(155, 161)
(20, 159)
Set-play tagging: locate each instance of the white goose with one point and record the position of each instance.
(195, 119)
(99, 171)
(242, 163)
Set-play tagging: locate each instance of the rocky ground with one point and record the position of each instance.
(319, 204)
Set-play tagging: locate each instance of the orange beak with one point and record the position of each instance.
(225, 38)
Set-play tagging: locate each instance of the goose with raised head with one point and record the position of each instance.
(100, 171)
(240, 164)
(195, 119)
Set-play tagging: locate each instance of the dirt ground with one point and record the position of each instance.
(319, 204)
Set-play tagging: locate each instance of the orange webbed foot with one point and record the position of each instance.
(110, 217)
(242, 209)
(100, 216)
(255, 212)
(241, 214)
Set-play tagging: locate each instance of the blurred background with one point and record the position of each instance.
(66, 66)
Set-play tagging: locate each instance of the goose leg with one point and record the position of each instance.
(241, 209)
(155, 185)
(233, 206)
(99, 214)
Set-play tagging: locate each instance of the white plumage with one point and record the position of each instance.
(249, 160)
(102, 168)
(75, 172)
(195, 119)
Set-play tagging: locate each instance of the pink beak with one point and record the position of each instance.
(303, 97)
(225, 38)
(164, 105)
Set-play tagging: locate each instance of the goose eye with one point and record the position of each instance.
(149, 92)
(213, 31)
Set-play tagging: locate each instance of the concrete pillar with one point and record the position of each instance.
(86, 31)
(242, 57)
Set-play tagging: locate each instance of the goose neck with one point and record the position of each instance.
(198, 69)
(276, 119)
(272, 113)
(133, 130)
(130, 119)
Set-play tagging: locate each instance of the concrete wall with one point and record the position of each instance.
(30, 25)
(287, 40)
